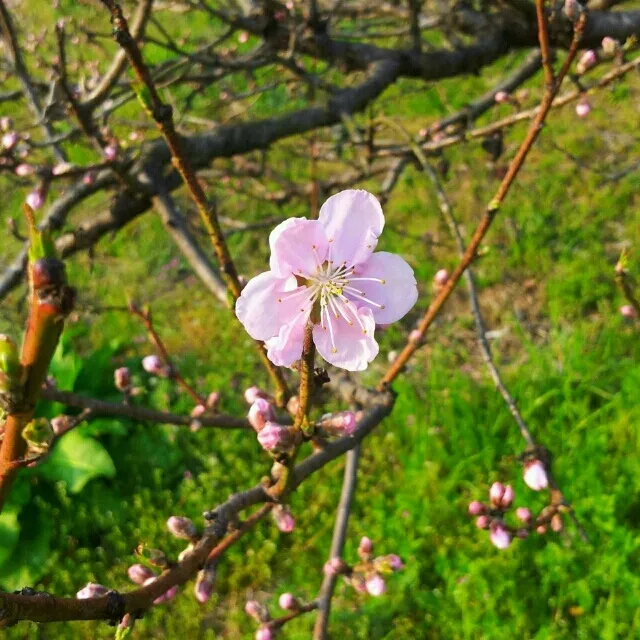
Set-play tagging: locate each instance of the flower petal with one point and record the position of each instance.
(268, 303)
(292, 245)
(355, 347)
(352, 220)
(285, 348)
(399, 292)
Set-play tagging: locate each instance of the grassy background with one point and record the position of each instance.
(546, 280)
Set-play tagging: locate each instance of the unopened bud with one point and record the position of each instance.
(283, 518)
(6, 123)
(260, 412)
(92, 590)
(213, 400)
(24, 170)
(441, 277)
(501, 97)
(556, 523)
(375, 585)
(10, 140)
(48, 272)
(288, 602)
(627, 311)
(275, 438)
(583, 108)
(253, 393)
(264, 633)
(60, 424)
(339, 424)
(35, 199)
(10, 367)
(110, 152)
(204, 585)
(139, 574)
(122, 378)
(483, 522)
(198, 410)
(182, 527)
(153, 365)
(535, 476)
(587, 60)
(507, 497)
(476, 508)
(61, 168)
(165, 597)
(610, 46)
(256, 611)
(415, 335)
(365, 547)
(38, 433)
(499, 535)
(495, 493)
(524, 515)
(293, 405)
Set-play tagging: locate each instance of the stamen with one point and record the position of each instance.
(379, 280)
(362, 296)
(341, 308)
(333, 343)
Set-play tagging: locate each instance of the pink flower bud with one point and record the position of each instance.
(423, 132)
(274, 437)
(110, 152)
(61, 168)
(204, 585)
(587, 60)
(293, 405)
(253, 393)
(260, 413)
(139, 574)
(499, 535)
(441, 277)
(339, 424)
(198, 410)
(24, 169)
(283, 518)
(495, 493)
(365, 546)
(89, 178)
(572, 9)
(122, 378)
(334, 567)
(35, 199)
(542, 529)
(483, 522)
(288, 602)
(264, 633)
(6, 123)
(394, 561)
(213, 400)
(415, 336)
(501, 97)
(476, 508)
(256, 611)
(556, 523)
(182, 527)
(609, 46)
(583, 108)
(375, 585)
(523, 514)
(165, 597)
(243, 37)
(535, 476)
(92, 590)
(627, 311)
(507, 497)
(10, 140)
(152, 365)
(60, 424)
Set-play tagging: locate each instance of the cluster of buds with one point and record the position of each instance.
(368, 575)
(338, 424)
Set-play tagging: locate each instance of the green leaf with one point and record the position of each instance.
(9, 534)
(76, 460)
(29, 560)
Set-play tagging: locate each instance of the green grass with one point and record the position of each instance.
(546, 275)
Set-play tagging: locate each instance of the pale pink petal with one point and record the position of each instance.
(267, 303)
(285, 348)
(397, 294)
(355, 346)
(353, 220)
(298, 246)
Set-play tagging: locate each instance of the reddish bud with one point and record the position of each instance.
(139, 574)
(483, 522)
(524, 515)
(204, 585)
(476, 508)
(275, 438)
(122, 378)
(182, 527)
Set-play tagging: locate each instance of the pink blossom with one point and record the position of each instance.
(91, 590)
(499, 535)
(10, 140)
(328, 264)
(583, 108)
(275, 437)
(35, 199)
(260, 413)
(284, 519)
(523, 514)
(627, 311)
(264, 633)
(288, 602)
(535, 476)
(375, 585)
(415, 336)
(256, 611)
(423, 132)
(501, 97)
(24, 170)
